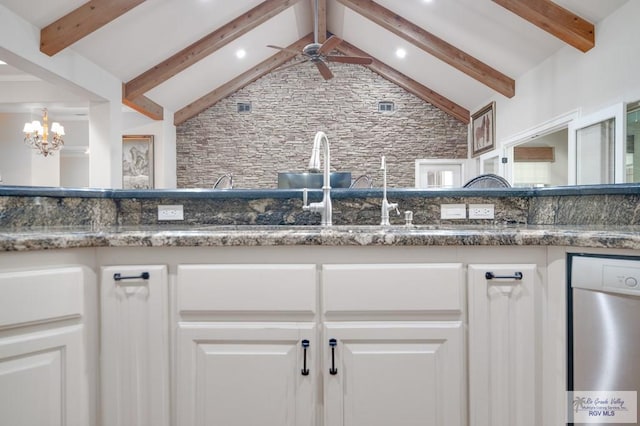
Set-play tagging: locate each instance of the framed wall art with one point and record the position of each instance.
(483, 126)
(137, 162)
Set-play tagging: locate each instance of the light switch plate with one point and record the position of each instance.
(453, 211)
(172, 212)
(481, 211)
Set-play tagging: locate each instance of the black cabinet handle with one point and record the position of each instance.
(515, 276)
(119, 277)
(305, 370)
(333, 370)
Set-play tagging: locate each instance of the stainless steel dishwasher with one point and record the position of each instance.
(603, 323)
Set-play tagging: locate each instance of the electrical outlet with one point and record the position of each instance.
(173, 212)
(481, 211)
(453, 211)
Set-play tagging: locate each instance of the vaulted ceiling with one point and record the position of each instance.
(179, 55)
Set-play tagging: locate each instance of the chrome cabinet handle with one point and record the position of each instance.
(333, 370)
(515, 276)
(305, 370)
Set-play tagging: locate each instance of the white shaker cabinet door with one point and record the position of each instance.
(503, 344)
(135, 346)
(246, 374)
(47, 374)
(43, 379)
(394, 373)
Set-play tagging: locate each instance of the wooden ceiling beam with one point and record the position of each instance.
(322, 20)
(555, 20)
(433, 45)
(144, 106)
(205, 47)
(81, 22)
(408, 84)
(243, 80)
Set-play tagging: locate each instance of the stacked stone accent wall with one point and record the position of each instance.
(291, 105)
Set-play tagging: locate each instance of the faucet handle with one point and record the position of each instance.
(408, 217)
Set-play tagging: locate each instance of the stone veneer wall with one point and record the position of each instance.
(291, 105)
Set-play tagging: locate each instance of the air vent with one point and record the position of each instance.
(386, 106)
(244, 107)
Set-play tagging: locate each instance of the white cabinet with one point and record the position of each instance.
(505, 356)
(395, 374)
(240, 354)
(398, 358)
(134, 345)
(237, 374)
(47, 376)
(399, 344)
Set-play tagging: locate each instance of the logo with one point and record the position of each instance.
(602, 407)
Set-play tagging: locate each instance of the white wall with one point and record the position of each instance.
(15, 156)
(571, 80)
(74, 161)
(74, 171)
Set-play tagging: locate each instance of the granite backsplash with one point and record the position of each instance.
(614, 205)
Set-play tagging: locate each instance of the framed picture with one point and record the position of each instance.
(137, 162)
(483, 130)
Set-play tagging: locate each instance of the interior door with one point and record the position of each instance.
(596, 147)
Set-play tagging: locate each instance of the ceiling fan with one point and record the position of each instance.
(318, 53)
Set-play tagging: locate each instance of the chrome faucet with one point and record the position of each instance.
(324, 206)
(386, 205)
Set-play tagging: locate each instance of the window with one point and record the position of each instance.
(244, 107)
(386, 106)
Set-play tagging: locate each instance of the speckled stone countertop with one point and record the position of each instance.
(254, 235)
(598, 216)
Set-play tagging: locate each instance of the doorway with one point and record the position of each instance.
(542, 161)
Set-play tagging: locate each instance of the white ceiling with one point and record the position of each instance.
(156, 29)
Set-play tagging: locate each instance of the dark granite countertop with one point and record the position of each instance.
(39, 218)
(255, 235)
(196, 193)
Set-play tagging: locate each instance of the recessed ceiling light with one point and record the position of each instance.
(241, 53)
(3, 63)
(401, 53)
(427, 1)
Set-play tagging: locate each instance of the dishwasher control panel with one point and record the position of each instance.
(606, 273)
(620, 277)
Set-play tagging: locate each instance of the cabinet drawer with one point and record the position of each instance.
(247, 288)
(393, 288)
(40, 295)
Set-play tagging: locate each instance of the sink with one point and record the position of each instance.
(293, 180)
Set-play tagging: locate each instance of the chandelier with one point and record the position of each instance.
(36, 135)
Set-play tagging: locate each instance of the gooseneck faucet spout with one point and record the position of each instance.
(324, 206)
(386, 205)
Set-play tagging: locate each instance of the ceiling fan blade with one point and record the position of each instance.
(329, 45)
(350, 59)
(324, 69)
(286, 49)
